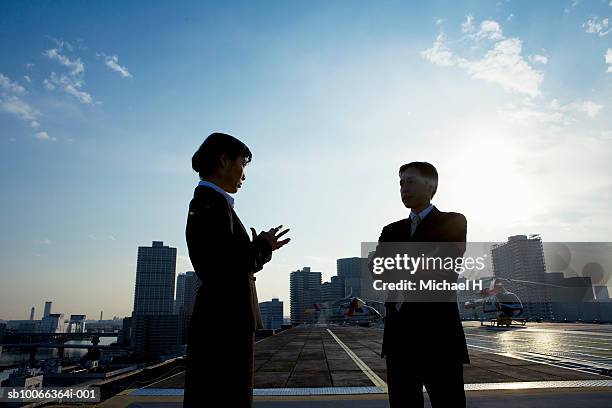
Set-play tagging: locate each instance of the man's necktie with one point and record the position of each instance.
(414, 222)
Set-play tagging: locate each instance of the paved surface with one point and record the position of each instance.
(336, 360)
(578, 346)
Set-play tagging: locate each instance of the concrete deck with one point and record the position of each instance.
(310, 364)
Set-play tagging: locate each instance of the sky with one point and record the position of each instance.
(103, 103)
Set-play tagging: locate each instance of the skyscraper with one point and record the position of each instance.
(305, 292)
(187, 285)
(522, 259)
(47, 311)
(271, 313)
(155, 326)
(333, 290)
(155, 272)
(349, 271)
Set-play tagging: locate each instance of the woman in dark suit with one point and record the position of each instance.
(226, 312)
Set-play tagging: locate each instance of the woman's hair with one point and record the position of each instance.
(206, 159)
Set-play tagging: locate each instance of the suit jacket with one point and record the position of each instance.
(428, 329)
(225, 259)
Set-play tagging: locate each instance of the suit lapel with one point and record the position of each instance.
(237, 220)
(425, 225)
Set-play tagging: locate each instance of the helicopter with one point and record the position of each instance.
(349, 310)
(498, 304)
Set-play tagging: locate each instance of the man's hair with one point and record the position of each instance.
(427, 171)
(206, 159)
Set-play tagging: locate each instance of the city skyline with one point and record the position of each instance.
(582, 262)
(511, 102)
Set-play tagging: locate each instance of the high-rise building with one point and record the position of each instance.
(180, 293)
(154, 326)
(187, 285)
(32, 311)
(155, 273)
(47, 311)
(305, 293)
(521, 260)
(333, 290)
(271, 313)
(349, 272)
(52, 323)
(76, 324)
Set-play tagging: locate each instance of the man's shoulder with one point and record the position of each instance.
(397, 225)
(454, 217)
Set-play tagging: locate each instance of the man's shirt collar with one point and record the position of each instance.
(423, 212)
(215, 187)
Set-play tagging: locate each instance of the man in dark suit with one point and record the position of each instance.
(423, 339)
(226, 313)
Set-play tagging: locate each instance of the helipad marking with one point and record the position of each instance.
(376, 380)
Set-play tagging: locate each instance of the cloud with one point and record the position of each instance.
(27, 78)
(48, 85)
(608, 59)
(540, 59)
(590, 108)
(72, 83)
(573, 5)
(11, 102)
(82, 96)
(16, 106)
(554, 113)
(502, 65)
(489, 29)
(510, 17)
(7, 85)
(76, 66)
(44, 136)
(29, 66)
(468, 26)
(594, 26)
(439, 54)
(112, 62)
(72, 86)
(61, 43)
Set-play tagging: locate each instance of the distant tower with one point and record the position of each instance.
(155, 275)
(272, 313)
(187, 285)
(32, 313)
(522, 259)
(349, 272)
(305, 292)
(155, 327)
(47, 309)
(101, 313)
